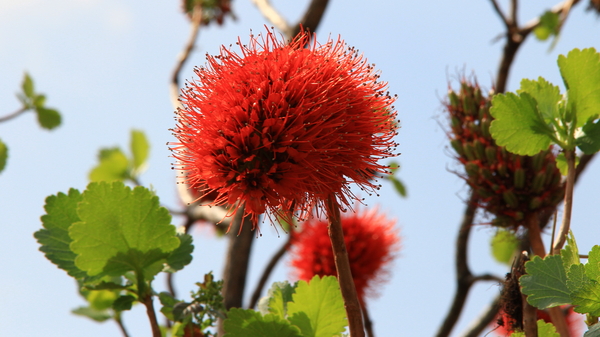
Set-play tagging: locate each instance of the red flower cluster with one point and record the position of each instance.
(282, 127)
(371, 241)
(574, 322)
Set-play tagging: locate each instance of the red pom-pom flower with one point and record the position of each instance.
(282, 127)
(372, 242)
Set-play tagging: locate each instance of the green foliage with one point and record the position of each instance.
(517, 124)
(140, 149)
(545, 282)
(3, 155)
(538, 115)
(61, 213)
(548, 26)
(580, 71)
(398, 184)
(318, 308)
(561, 163)
(114, 165)
(121, 230)
(544, 330)
(504, 245)
(47, 117)
(312, 309)
(202, 312)
(96, 315)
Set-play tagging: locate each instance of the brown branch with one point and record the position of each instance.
(464, 278)
(312, 17)
(500, 14)
(484, 321)
(342, 265)
(120, 324)
(236, 264)
(268, 269)
(310, 20)
(13, 115)
(184, 55)
(148, 302)
(368, 322)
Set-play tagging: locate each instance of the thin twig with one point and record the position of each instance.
(13, 115)
(500, 14)
(485, 319)
(312, 17)
(368, 321)
(464, 278)
(268, 269)
(273, 16)
(342, 265)
(514, 8)
(184, 55)
(120, 324)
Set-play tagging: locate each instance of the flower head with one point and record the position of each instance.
(505, 324)
(509, 186)
(280, 127)
(371, 241)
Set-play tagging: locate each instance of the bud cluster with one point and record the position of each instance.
(509, 186)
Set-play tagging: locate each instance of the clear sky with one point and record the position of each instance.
(105, 65)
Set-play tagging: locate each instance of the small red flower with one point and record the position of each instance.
(371, 240)
(281, 127)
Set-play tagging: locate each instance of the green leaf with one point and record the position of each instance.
(594, 331)
(277, 299)
(570, 254)
(113, 165)
(27, 86)
(577, 280)
(182, 256)
(548, 26)
(398, 185)
(61, 213)
(121, 229)
(250, 323)
(101, 299)
(96, 315)
(123, 303)
(580, 71)
(318, 308)
(546, 96)
(518, 125)
(48, 118)
(140, 149)
(544, 330)
(39, 101)
(587, 299)
(589, 142)
(561, 163)
(592, 267)
(3, 155)
(545, 283)
(504, 244)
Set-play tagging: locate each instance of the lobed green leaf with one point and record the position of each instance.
(580, 71)
(121, 230)
(546, 95)
(545, 283)
(61, 213)
(518, 125)
(245, 323)
(318, 308)
(113, 165)
(589, 142)
(182, 256)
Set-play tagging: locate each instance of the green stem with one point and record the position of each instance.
(342, 264)
(568, 204)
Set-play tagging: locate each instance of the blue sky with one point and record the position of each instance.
(105, 65)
